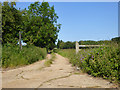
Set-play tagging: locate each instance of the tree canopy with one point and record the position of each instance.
(116, 39)
(11, 20)
(0, 23)
(38, 24)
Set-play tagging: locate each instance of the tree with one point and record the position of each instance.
(0, 23)
(11, 21)
(116, 39)
(60, 44)
(41, 28)
(65, 45)
(38, 23)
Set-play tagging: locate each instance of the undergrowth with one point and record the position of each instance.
(12, 55)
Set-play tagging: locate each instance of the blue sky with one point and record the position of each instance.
(85, 20)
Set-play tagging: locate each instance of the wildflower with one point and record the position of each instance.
(92, 56)
(81, 60)
(101, 48)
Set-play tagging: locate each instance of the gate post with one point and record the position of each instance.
(77, 47)
(20, 44)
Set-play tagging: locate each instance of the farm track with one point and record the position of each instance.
(60, 74)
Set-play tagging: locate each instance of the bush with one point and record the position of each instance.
(101, 62)
(12, 55)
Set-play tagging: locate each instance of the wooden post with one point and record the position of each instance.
(77, 47)
(20, 40)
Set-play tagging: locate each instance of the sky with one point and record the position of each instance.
(85, 20)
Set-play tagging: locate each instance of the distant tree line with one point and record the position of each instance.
(71, 45)
(65, 45)
(90, 42)
(116, 39)
(38, 24)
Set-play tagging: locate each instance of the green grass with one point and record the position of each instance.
(99, 62)
(50, 61)
(12, 56)
(0, 55)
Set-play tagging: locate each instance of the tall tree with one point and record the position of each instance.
(41, 28)
(11, 23)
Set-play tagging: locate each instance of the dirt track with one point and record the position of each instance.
(60, 75)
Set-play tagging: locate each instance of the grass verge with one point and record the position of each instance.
(12, 56)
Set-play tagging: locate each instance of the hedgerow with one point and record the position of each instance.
(99, 62)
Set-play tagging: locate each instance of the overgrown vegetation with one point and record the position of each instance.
(48, 62)
(99, 62)
(39, 27)
(0, 55)
(38, 24)
(12, 55)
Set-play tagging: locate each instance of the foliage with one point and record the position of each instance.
(102, 62)
(38, 24)
(12, 55)
(0, 22)
(116, 39)
(0, 55)
(11, 23)
(65, 45)
(90, 42)
(41, 26)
